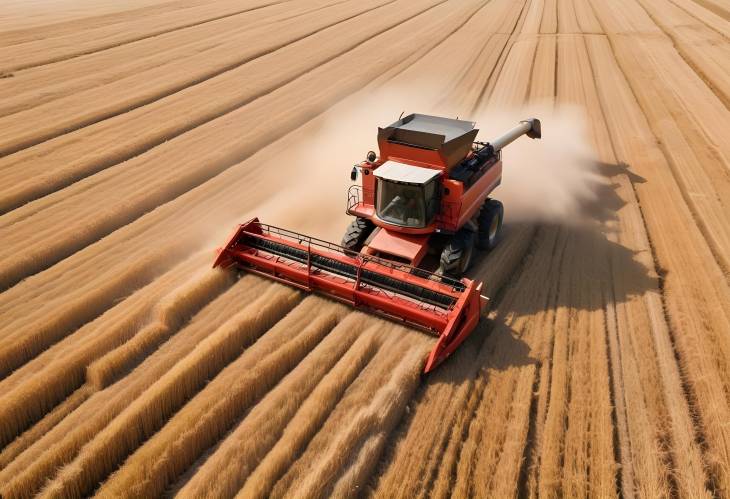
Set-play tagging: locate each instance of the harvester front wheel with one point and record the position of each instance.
(356, 234)
(490, 224)
(457, 255)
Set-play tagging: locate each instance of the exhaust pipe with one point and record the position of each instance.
(529, 127)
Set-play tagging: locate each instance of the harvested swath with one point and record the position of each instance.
(50, 377)
(209, 415)
(168, 315)
(150, 410)
(289, 414)
(40, 461)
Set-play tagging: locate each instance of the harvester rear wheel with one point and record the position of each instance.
(356, 234)
(490, 224)
(457, 255)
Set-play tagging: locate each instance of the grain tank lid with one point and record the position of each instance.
(451, 137)
(427, 131)
(400, 172)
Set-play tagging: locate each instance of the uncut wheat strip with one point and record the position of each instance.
(269, 60)
(603, 467)
(166, 395)
(60, 445)
(169, 315)
(556, 244)
(38, 85)
(575, 455)
(51, 419)
(53, 375)
(695, 321)
(354, 480)
(643, 472)
(49, 50)
(498, 463)
(208, 416)
(442, 484)
(356, 397)
(386, 406)
(287, 416)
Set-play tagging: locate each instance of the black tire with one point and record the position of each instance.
(457, 255)
(356, 234)
(490, 224)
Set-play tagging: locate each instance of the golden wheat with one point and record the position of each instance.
(206, 418)
(59, 446)
(287, 416)
(150, 410)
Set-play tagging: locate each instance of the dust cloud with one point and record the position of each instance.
(549, 180)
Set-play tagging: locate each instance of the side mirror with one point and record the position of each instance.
(353, 173)
(371, 156)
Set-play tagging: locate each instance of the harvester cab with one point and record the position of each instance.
(426, 193)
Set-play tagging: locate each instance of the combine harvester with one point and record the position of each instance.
(422, 208)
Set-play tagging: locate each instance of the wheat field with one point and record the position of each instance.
(134, 135)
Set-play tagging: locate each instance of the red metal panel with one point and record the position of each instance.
(411, 248)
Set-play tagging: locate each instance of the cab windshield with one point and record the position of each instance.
(405, 204)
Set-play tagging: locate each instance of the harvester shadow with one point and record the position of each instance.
(605, 201)
(569, 267)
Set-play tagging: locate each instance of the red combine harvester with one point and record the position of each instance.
(422, 208)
